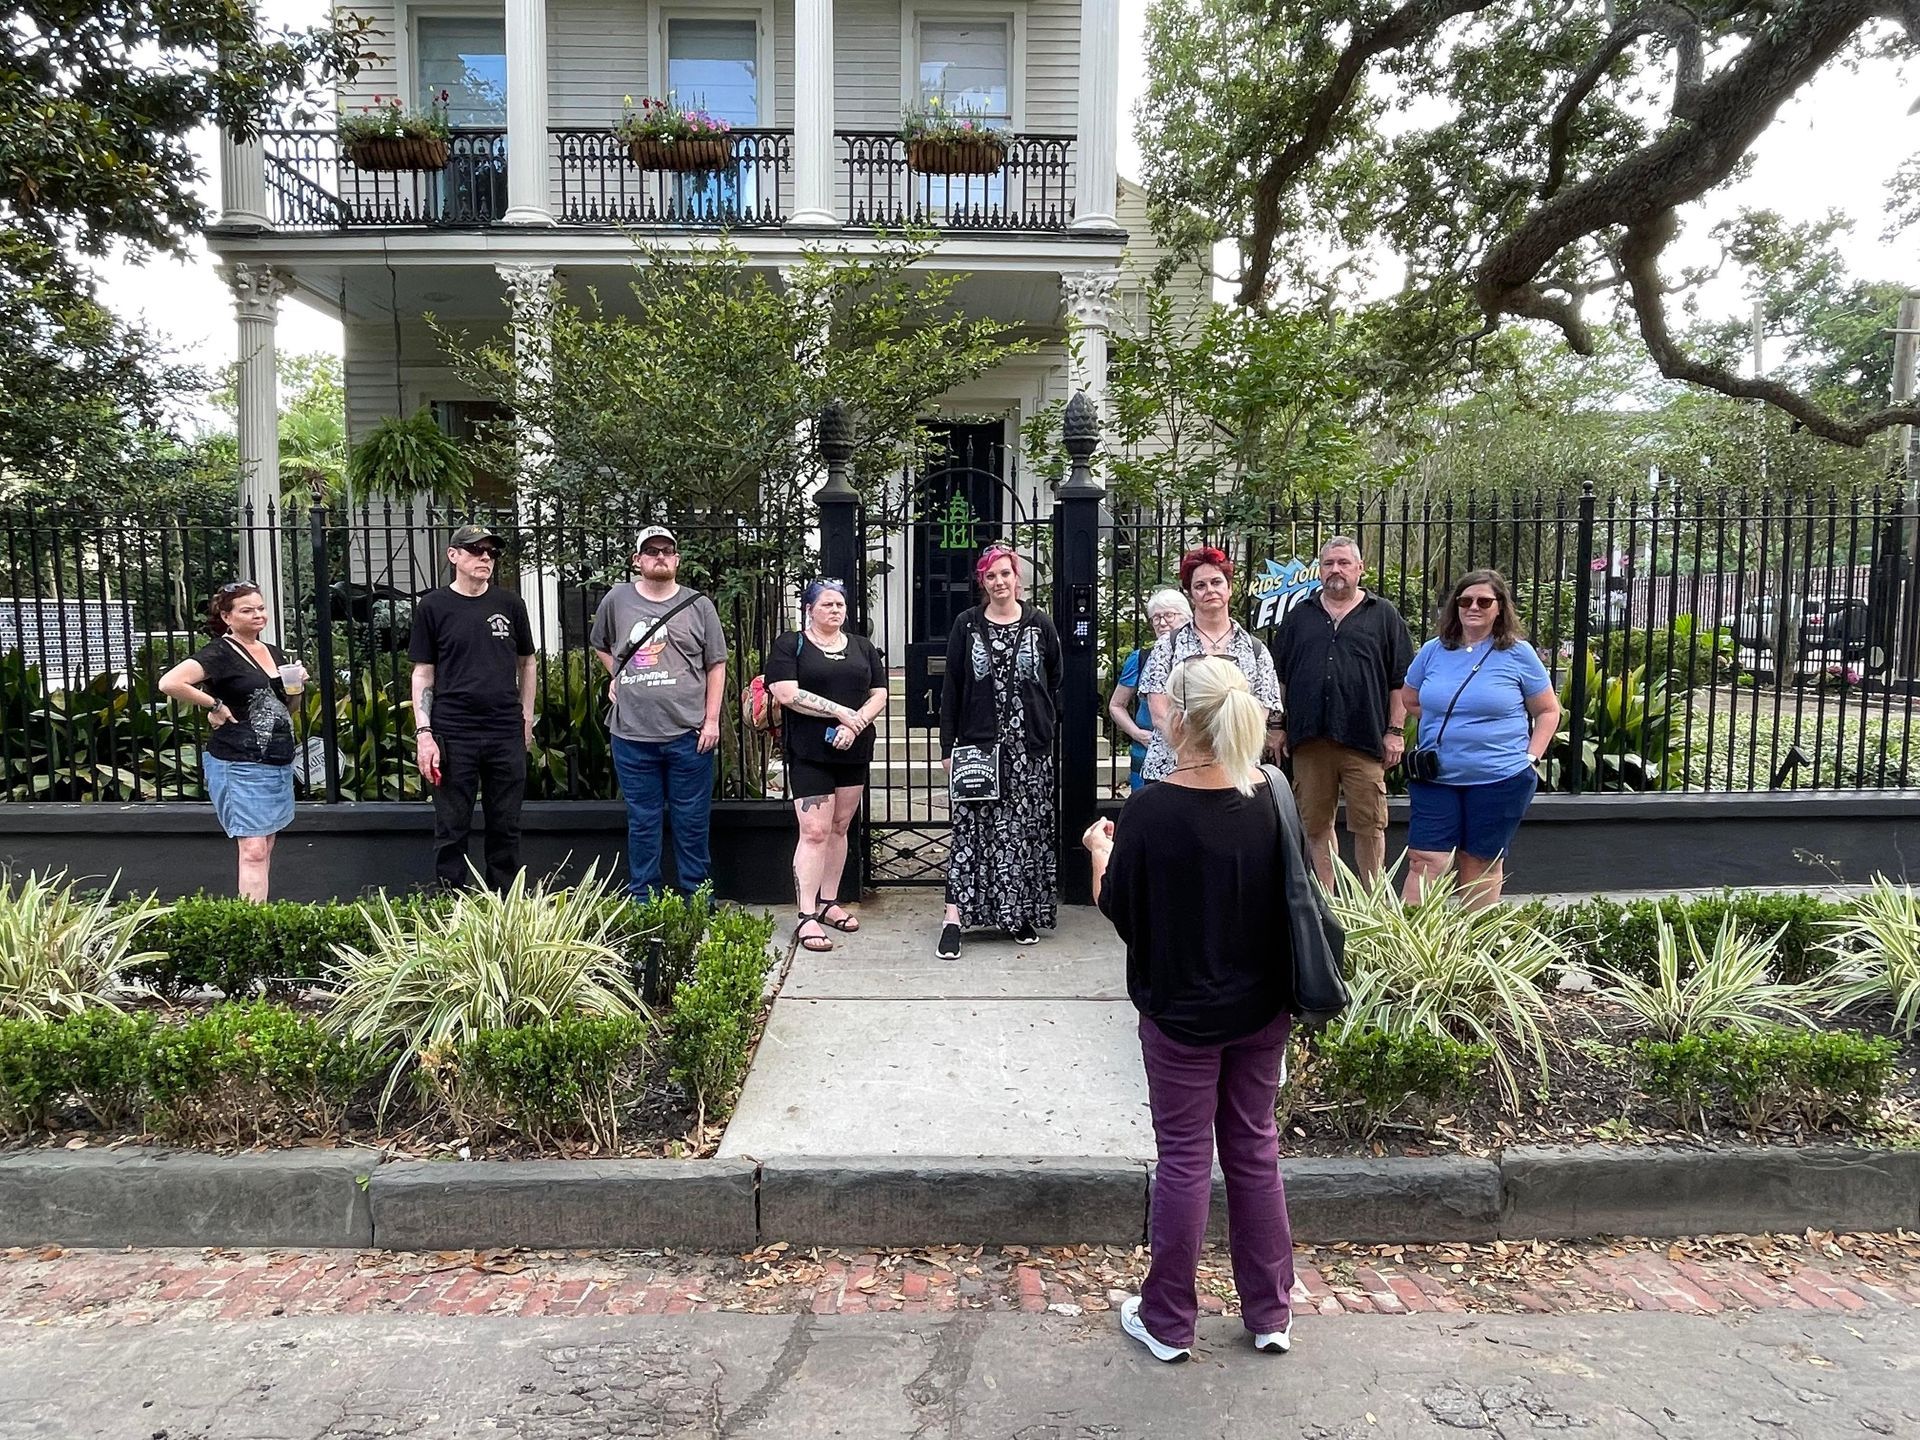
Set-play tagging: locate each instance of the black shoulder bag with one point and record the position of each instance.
(975, 776)
(1318, 943)
(1423, 761)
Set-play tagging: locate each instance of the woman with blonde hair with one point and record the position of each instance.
(1201, 876)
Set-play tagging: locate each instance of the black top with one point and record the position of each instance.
(846, 677)
(474, 643)
(261, 730)
(1194, 888)
(966, 694)
(1339, 678)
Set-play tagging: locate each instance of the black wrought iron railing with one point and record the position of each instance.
(601, 183)
(313, 184)
(1031, 189)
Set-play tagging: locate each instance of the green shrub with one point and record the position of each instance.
(60, 952)
(1373, 1075)
(238, 947)
(1761, 1078)
(679, 922)
(94, 1059)
(710, 1027)
(1624, 937)
(1695, 988)
(434, 975)
(1875, 944)
(251, 1072)
(568, 1079)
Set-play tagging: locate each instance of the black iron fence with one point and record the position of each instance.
(1703, 641)
(1032, 189)
(601, 184)
(95, 608)
(313, 184)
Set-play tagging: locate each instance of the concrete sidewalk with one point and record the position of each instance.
(965, 1377)
(880, 1048)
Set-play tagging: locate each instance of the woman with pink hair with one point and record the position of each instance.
(999, 708)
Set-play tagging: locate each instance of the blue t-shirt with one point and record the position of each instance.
(1486, 740)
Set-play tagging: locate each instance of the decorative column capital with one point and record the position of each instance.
(256, 290)
(531, 289)
(1087, 296)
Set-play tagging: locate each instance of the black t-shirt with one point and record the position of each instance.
(1193, 887)
(261, 730)
(1339, 678)
(474, 643)
(847, 678)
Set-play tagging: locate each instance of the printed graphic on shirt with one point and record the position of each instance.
(981, 664)
(500, 625)
(645, 668)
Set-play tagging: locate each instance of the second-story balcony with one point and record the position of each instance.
(593, 180)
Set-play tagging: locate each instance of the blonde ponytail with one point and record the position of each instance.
(1219, 714)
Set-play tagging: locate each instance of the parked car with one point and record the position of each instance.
(1829, 631)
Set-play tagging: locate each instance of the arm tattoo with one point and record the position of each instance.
(423, 712)
(815, 704)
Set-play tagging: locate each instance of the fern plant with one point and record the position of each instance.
(435, 976)
(404, 458)
(61, 954)
(1694, 988)
(1876, 950)
(1441, 969)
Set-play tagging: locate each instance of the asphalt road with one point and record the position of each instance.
(1009, 1377)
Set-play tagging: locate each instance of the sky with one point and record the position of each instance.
(1833, 148)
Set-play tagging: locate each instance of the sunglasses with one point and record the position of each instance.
(485, 552)
(659, 550)
(1477, 602)
(236, 587)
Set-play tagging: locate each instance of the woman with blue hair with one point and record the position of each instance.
(833, 686)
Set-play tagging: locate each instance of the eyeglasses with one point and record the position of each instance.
(658, 550)
(485, 552)
(1477, 602)
(236, 587)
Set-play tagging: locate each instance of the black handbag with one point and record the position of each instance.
(1319, 945)
(1423, 761)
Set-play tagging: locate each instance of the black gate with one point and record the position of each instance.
(964, 496)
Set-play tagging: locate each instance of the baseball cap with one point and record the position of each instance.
(472, 535)
(653, 532)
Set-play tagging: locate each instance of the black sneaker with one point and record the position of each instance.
(1027, 934)
(949, 946)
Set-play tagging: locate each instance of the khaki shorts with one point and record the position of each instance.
(1323, 772)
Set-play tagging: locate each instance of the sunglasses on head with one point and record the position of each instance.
(236, 587)
(1477, 602)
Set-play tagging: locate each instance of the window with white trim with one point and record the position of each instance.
(465, 56)
(714, 65)
(967, 65)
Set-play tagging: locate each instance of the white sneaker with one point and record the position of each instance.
(1130, 1322)
(1275, 1342)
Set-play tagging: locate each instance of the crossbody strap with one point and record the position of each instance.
(637, 646)
(1441, 733)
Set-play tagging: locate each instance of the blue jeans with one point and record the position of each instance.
(671, 780)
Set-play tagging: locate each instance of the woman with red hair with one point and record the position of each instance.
(1206, 575)
(999, 708)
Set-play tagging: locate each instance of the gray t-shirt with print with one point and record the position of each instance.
(661, 692)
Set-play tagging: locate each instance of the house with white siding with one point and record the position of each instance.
(537, 184)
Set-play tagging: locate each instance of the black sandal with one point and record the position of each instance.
(848, 926)
(812, 944)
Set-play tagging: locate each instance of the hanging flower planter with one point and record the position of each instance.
(695, 154)
(399, 152)
(968, 155)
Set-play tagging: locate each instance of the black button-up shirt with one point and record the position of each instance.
(1339, 678)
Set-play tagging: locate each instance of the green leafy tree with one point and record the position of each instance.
(312, 426)
(1519, 161)
(100, 101)
(704, 396)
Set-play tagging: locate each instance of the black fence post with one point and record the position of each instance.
(1582, 621)
(840, 560)
(1076, 546)
(328, 675)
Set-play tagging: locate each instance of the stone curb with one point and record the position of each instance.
(314, 1199)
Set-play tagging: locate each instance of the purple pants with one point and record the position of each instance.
(1198, 1092)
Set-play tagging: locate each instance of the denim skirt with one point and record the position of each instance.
(250, 799)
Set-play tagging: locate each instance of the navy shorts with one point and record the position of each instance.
(1477, 820)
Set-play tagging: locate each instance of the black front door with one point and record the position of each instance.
(960, 509)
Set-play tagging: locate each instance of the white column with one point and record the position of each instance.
(1088, 298)
(527, 200)
(243, 183)
(531, 290)
(1097, 160)
(813, 148)
(256, 304)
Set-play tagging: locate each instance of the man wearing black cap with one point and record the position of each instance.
(472, 653)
